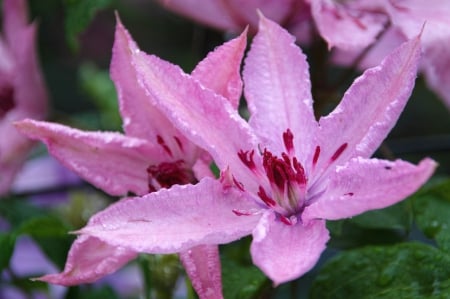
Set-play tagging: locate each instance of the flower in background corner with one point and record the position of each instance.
(283, 172)
(151, 155)
(22, 90)
(235, 15)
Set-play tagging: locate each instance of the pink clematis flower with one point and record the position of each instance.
(283, 172)
(152, 155)
(235, 15)
(22, 91)
(351, 26)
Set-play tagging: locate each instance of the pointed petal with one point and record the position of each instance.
(113, 162)
(90, 259)
(285, 252)
(278, 89)
(206, 118)
(176, 219)
(368, 184)
(15, 19)
(220, 70)
(349, 26)
(202, 264)
(370, 107)
(140, 117)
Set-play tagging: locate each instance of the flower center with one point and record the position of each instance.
(285, 186)
(6, 100)
(167, 174)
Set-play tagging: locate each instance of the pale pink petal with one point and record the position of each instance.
(29, 90)
(348, 25)
(140, 117)
(15, 18)
(277, 10)
(278, 89)
(367, 184)
(436, 64)
(220, 70)
(90, 259)
(202, 264)
(370, 107)
(176, 219)
(113, 162)
(214, 13)
(285, 252)
(206, 118)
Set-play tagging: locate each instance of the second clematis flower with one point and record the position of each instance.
(152, 155)
(283, 173)
(22, 90)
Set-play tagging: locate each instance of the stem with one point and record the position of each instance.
(146, 275)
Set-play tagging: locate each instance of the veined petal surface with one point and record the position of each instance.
(90, 259)
(285, 252)
(278, 89)
(368, 184)
(175, 219)
(111, 161)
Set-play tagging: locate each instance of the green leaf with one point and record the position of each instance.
(398, 216)
(407, 270)
(432, 213)
(347, 234)
(241, 281)
(7, 242)
(79, 13)
(46, 226)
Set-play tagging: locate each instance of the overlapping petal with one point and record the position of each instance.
(111, 161)
(370, 107)
(90, 259)
(278, 89)
(366, 184)
(205, 117)
(284, 252)
(175, 219)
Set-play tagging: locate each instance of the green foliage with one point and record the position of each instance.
(99, 87)
(407, 270)
(432, 211)
(79, 13)
(241, 281)
(7, 242)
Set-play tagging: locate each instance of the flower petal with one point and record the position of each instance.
(370, 107)
(278, 89)
(113, 162)
(140, 117)
(205, 117)
(90, 259)
(347, 26)
(213, 13)
(176, 219)
(285, 252)
(367, 184)
(202, 264)
(220, 70)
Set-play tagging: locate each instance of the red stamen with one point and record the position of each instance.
(168, 174)
(316, 155)
(178, 141)
(288, 139)
(265, 198)
(300, 175)
(247, 158)
(338, 152)
(161, 142)
(241, 213)
(285, 220)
